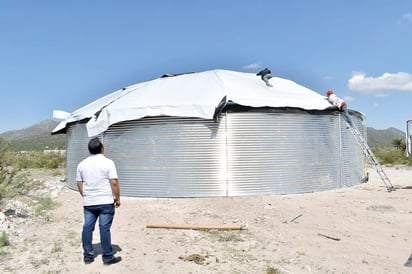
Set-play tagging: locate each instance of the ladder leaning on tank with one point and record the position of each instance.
(368, 152)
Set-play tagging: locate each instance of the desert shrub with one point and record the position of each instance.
(14, 177)
(6, 181)
(7, 173)
(272, 270)
(399, 144)
(56, 173)
(45, 204)
(13, 180)
(57, 248)
(35, 159)
(18, 184)
(395, 155)
(4, 241)
(392, 156)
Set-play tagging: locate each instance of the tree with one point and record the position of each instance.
(6, 172)
(399, 144)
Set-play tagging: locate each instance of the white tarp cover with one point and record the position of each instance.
(192, 95)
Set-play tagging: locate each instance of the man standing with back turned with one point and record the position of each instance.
(98, 184)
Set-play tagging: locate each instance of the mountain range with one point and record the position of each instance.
(35, 138)
(384, 137)
(38, 137)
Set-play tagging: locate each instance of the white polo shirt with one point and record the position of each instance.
(336, 101)
(95, 172)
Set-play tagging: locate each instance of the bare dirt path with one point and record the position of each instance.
(362, 229)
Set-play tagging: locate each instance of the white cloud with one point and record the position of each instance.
(252, 66)
(407, 17)
(328, 78)
(382, 84)
(383, 94)
(348, 99)
(375, 105)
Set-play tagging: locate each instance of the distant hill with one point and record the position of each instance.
(38, 137)
(383, 137)
(35, 138)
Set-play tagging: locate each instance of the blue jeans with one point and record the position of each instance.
(346, 114)
(105, 214)
(266, 78)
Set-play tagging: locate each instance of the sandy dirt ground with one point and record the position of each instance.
(362, 229)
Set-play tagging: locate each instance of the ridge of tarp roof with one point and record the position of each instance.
(192, 95)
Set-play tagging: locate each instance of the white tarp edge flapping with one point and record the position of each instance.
(192, 95)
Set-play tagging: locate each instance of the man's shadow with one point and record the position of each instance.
(98, 249)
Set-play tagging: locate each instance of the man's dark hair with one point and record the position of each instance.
(95, 146)
(263, 72)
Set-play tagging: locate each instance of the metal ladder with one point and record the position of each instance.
(368, 152)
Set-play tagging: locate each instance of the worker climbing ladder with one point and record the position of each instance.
(368, 152)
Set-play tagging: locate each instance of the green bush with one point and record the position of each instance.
(272, 270)
(18, 184)
(392, 156)
(44, 204)
(14, 178)
(4, 241)
(34, 159)
(7, 173)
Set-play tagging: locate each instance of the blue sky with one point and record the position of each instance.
(62, 55)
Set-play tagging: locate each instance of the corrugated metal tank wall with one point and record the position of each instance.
(169, 157)
(76, 150)
(245, 153)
